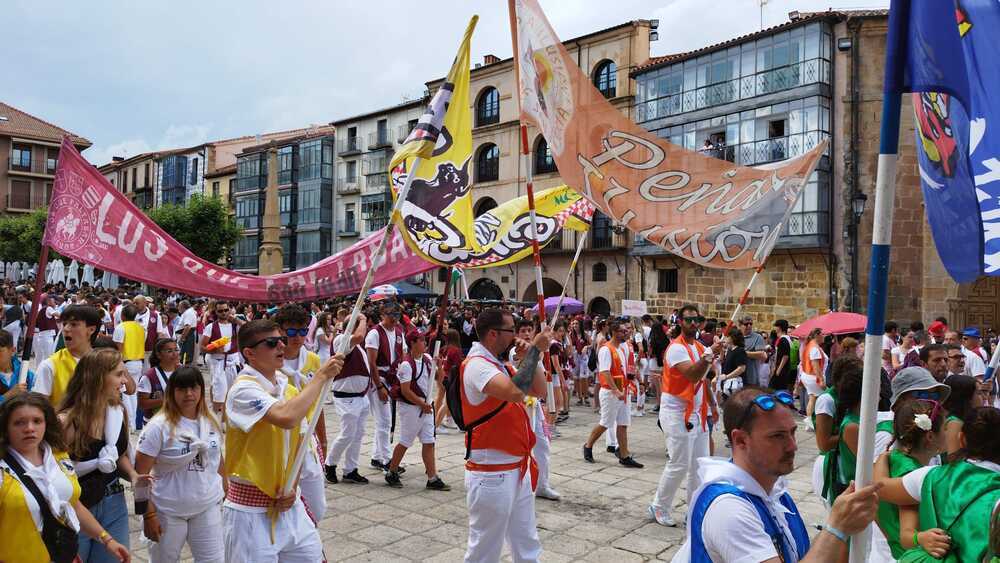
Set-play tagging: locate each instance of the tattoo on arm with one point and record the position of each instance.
(526, 371)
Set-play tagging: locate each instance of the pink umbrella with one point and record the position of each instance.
(832, 323)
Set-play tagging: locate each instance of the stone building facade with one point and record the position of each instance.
(800, 281)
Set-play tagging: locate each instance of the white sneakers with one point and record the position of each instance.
(547, 492)
(662, 518)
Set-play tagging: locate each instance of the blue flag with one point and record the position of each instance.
(946, 52)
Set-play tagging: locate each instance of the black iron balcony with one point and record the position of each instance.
(378, 140)
(350, 145)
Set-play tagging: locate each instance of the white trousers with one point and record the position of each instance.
(413, 425)
(131, 402)
(223, 372)
(383, 420)
(352, 411)
(501, 507)
(311, 484)
(200, 532)
(43, 345)
(684, 447)
(542, 447)
(248, 536)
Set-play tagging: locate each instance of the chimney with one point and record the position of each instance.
(490, 59)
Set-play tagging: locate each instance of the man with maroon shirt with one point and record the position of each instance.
(385, 347)
(152, 322)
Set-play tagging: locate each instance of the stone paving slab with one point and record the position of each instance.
(601, 518)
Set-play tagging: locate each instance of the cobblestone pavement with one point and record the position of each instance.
(601, 517)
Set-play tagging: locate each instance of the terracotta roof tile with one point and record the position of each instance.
(22, 124)
(224, 171)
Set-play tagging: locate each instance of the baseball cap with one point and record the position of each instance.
(971, 332)
(413, 335)
(915, 378)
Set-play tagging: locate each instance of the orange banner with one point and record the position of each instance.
(706, 210)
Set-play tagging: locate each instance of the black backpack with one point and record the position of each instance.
(592, 359)
(453, 396)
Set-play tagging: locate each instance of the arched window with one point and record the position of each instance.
(606, 78)
(488, 163)
(488, 107)
(483, 205)
(544, 162)
(600, 272)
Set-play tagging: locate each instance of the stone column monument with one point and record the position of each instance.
(270, 259)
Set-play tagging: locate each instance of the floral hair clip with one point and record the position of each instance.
(923, 422)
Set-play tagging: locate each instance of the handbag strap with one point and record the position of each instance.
(47, 517)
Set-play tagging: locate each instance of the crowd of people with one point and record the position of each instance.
(115, 392)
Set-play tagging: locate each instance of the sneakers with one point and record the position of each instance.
(436, 484)
(562, 417)
(354, 477)
(443, 430)
(588, 454)
(630, 462)
(331, 474)
(613, 450)
(392, 479)
(547, 492)
(378, 464)
(660, 517)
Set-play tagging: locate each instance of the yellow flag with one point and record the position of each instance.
(436, 218)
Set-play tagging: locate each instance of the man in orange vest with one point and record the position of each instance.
(500, 473)
(684, 404)
(611, 361)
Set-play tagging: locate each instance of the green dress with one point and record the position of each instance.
(945, 458)
(839, 463)
(900, 464)
(958, 498)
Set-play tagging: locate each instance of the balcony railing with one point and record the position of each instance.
(378, 140)
(764, 82)
(34, 166)
(376, 183)
(377, 165)
(348, 185)
(350, 145)
(347, 228)
(603, 237)
(402, 132)
(767, 150)
(563, 241)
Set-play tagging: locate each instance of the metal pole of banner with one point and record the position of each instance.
(743, 298)
(345, 344)
(36, 299)
(572, 266)
(878, 277)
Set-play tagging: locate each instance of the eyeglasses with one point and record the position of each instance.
(698, 319)
(957, 357)
(171, 351)
(271, 341)
(217, 311)
(293, 332)
(748, 324)
(510, 330)
(766, 403)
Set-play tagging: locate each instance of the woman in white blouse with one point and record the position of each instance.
(182, 445)
(35, 464)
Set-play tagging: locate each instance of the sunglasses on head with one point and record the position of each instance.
(698, 319)
(766, 403)
(271, 341)
(293, 332)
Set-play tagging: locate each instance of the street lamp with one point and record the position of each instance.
(858, 202)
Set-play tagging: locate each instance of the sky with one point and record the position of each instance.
(140, 76)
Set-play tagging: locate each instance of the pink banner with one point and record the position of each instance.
(91, 221)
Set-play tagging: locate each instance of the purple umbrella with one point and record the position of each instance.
(569, 305)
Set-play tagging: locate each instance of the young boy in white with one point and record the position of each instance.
(536, 411)
(385, 347)
(182, 444)
(415, 413)
(350, 400)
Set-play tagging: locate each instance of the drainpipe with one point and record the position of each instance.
(853, 25)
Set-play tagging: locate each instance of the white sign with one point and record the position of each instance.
(631, 308)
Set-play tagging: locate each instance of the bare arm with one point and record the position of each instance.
(826, 440)
(145, 403)
(850, 437)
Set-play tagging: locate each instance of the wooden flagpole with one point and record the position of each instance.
(29, 332)
(743, 298)
(345, 344)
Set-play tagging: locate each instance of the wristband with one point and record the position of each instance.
(836, 533)
(104, 537)
(916, 541)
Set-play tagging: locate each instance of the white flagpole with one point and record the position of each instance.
(572, 266)
(345, 344)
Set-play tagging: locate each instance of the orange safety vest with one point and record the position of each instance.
(617, 371)
(807, 364)
(674, 383)
(508, 431)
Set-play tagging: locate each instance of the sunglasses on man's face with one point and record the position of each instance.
(293, 332)
(927, 395)
(271, 341)
(220, 311)
(698, 319)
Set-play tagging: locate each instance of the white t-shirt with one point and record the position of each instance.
(323, 350)
(898, 354)
(888, 343)
(44, 376)
(188, 318)
(145, 386)
(354, 383)
(143, 319)
(676, 354)
(425, 370)
(480, 368)
(119, 334)
(974, 363)
(190, 491)
(372, 340)
(225, 330)
(825, 405)
(604, 359)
